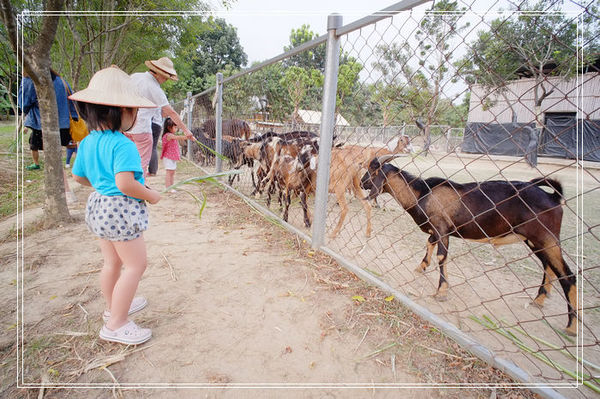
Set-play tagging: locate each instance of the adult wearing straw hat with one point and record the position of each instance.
(148, 85)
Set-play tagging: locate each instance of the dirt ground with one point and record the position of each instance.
(238, 308)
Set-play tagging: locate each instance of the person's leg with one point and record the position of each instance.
(35, 145)
(133, 255)
(111, 270)
(169, 178)
(70, 152)
(153, 166)
(143, 142)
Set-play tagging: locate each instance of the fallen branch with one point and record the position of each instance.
(172, 271)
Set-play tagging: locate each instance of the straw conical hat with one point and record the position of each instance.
(163, 66)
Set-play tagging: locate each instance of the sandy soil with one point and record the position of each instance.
(238, 308)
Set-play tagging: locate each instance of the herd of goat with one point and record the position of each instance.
(496, 212)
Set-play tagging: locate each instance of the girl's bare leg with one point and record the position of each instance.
(133, 255)
(169, 178)
(110, 271)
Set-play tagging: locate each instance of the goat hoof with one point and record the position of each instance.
(420, 270)
(441, 297)
(571, 331)
(538, 302)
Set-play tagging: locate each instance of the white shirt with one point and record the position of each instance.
(148, 86)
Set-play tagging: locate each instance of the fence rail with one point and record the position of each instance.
(405, 72)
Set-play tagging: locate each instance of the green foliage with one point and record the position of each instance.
(298, 81)
(526, 43)
(85, 44)
(311, 59)
(207, 47)
(265, 85)
(347, 80)
(390, 89)
(5, 104)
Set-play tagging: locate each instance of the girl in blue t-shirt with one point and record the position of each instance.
(116, 211)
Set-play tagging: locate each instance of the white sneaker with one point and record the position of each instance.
(129, 334)
(138, 303)
(67, 166)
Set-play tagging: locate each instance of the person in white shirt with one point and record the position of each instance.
(148, 85)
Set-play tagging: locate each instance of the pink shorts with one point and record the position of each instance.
(143, 142)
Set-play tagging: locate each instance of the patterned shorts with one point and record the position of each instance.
(116, 218)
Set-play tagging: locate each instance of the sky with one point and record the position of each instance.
(264, 26)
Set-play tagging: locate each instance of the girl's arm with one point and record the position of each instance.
(129, 186)
(171, 136)
(82, 180)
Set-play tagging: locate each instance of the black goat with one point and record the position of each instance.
(496, 212)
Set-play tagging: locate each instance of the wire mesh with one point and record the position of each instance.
(458, 95)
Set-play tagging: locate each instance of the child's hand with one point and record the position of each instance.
(153, 196)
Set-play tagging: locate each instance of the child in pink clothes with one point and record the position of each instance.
(170, 150)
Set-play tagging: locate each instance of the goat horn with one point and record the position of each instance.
(390, 157)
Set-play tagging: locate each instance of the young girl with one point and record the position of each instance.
(170, 150)
(116, 211)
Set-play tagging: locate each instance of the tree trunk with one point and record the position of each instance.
(36, 62)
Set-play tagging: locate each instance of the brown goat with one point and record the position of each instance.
(344, 175)
(230, 127)
(496, 212)
(294, 175)
(364, 154)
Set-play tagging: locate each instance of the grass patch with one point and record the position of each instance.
(7, 136)
(32, 191)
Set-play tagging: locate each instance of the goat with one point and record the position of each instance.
(367, 153)
(294, 175)
(230, 127)
(496, 212)
(344, 175)
(200, 149)
(364, 154)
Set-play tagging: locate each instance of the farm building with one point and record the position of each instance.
(314, 118)
(570, 112)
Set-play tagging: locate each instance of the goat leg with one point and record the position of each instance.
(431, 243)
(556, 267)
(304, 203)
(442, 254)
(341, 200)
(287, 201)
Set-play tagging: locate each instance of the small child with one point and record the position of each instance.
(116, 211)
(170, 151)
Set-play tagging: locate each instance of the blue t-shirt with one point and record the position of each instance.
(103, 154)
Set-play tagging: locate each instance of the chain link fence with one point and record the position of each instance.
(450, 94)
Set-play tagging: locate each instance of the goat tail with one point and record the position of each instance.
(553, 184)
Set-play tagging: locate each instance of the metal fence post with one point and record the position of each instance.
(188, 113)
(219, 123)
(334, 21)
